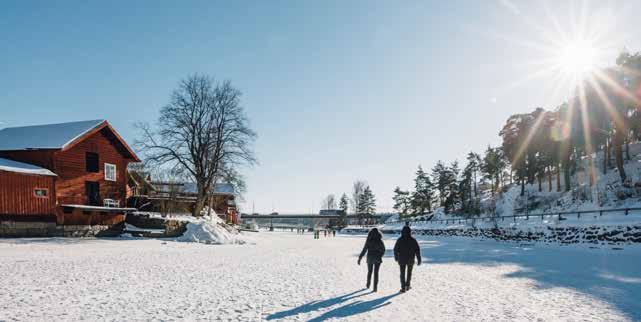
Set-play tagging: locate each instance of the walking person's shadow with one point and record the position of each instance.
(357, 307)
(342, 311)
(315, 305)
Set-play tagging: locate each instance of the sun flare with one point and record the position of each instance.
(578, 59)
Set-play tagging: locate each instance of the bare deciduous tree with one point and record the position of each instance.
(357, 191)
(204, 132)
(329, 202)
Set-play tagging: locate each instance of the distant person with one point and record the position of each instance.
(405, 250)
(334, 233)
(375, 249)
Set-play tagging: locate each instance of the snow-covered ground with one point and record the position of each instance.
(285, 276)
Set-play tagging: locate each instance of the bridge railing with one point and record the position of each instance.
(561, 215)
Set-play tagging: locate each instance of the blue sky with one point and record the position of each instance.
(337, 90)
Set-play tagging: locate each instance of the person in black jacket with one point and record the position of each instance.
(375, 250)
(405, 250)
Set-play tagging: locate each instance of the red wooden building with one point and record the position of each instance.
(180, 197)
(70, 173)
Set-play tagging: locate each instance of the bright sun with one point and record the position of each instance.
(578, 59)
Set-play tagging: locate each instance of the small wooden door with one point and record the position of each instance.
(92, 190)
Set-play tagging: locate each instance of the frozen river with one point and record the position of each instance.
(285, 276)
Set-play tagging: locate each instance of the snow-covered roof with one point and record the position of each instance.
(219, 188)
(20, 167)
(49, 136)
(224, 188)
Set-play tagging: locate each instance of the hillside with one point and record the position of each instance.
(607, 192)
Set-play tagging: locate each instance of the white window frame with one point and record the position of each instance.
(45, 190)
(107, 172)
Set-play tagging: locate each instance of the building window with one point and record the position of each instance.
(41, 192)
(92, 162)
(110, 172)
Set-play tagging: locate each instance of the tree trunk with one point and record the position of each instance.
(558, 178)
(539, 180)
(591, 170)
(618, 152)
(549, 168)
(627, 149)
(475, 189)
(606, 156)
(201, 199)
(566, 172)
(522, 186)
(531, 163)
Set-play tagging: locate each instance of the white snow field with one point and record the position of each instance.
(285, 276)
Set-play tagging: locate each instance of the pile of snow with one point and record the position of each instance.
(205, 229)
(210, 230)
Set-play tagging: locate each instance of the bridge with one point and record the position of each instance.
(308, 216)
(288, 221)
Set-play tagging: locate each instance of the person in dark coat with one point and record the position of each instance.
(405, 250)
(375, 249)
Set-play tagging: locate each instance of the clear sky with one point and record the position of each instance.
(337, 90)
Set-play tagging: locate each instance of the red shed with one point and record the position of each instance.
(88, 164)
(27, 192)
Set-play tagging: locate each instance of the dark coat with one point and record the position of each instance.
(406, 248)
(375, 250)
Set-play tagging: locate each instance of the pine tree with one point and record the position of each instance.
(423, 194)
(401, 201)
(369, 202)
(473, 167)
(452, 187)
(366, 205)
(493, 166)
(343, 206)
(440, 180)
(465, 189)
(344, 203)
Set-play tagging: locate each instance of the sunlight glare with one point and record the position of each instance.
(578, 59)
